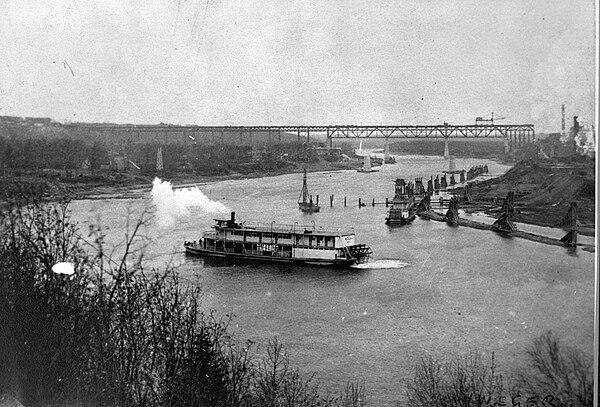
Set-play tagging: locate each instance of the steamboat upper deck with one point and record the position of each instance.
(272, 227)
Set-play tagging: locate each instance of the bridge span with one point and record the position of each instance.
(514, 135)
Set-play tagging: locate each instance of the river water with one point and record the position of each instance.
(433, 290)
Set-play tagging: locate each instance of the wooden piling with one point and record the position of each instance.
(373, 205)
(359, 203)
(344, 202)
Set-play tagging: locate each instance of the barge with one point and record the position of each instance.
(283, 244)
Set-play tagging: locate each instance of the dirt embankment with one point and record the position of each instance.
(129, 184)
(544, 190)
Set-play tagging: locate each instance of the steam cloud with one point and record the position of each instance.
(172, 204)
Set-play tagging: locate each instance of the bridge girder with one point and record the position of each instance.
(344, 131)
(440, 131)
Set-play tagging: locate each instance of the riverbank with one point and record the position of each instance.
(543, 190)
(124, 185)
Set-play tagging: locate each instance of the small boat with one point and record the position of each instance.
(305, 201)
(283, 244)
(403, 205)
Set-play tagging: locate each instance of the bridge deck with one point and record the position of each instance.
(341, 131)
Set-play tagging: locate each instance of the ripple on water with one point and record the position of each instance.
(382, 264)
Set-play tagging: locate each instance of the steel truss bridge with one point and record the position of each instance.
(514, 135)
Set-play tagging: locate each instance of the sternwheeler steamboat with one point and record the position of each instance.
(287, 244)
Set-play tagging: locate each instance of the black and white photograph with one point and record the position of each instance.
(279, 203)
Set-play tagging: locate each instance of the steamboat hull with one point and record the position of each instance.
(308, 207)
(224, 258)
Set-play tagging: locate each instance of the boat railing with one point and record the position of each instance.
(294, 229)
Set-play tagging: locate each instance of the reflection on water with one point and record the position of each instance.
(382, 264)
(432, 289)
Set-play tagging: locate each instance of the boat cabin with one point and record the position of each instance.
(287, 235)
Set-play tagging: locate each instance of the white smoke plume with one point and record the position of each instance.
(585, 140)
(173, 204)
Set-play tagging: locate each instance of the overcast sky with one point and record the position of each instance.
(294, 62)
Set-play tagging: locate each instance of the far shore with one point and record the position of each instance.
(136, 189)
(130, 186)
(185, 180)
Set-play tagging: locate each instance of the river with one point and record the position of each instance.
(433, 290)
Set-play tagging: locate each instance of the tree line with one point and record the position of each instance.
(75, 156)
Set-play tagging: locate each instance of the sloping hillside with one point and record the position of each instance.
(544, 190)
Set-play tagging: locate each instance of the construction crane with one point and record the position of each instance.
(482, 121)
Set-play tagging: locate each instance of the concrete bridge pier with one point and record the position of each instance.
(386, 148)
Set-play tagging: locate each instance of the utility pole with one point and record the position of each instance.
(563, 121)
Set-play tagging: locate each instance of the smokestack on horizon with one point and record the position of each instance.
(574, 133)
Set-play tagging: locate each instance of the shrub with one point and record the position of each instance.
(277, 384)
(111, 333)
(557, 375)
(40, 311)
(461, 382)
(558, 370)
(115, 334)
